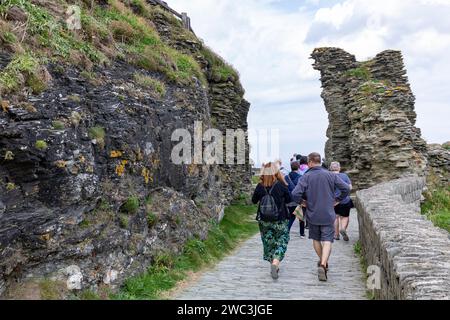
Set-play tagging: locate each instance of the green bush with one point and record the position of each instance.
(360, 72)
(88, 295)
(151, 219)
(22, 70)
(8, 37)
(123, 31)
(437, 207)
(10, 186)
(154, 85)
(131, 206)
(41, 145)
(58, 125)
(84, 224)
(97, 133)
(124, 221)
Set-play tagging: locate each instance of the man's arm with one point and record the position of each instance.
(343, 187)
(299, 191)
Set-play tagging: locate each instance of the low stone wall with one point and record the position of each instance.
(414, 255)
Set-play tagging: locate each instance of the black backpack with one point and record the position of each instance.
(268, 210)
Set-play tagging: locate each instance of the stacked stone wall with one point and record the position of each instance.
(413, 255)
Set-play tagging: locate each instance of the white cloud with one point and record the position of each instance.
(270, 41)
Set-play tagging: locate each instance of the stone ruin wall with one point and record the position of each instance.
(372, 119)
(372, 133)
(412, 254)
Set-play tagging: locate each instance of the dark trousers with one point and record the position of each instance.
(292, 220)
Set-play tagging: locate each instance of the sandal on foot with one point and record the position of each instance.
(274, 271)
(345, 235)
(319, 264)
(322, 273)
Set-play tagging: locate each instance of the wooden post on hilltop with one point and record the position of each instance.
(186, 20)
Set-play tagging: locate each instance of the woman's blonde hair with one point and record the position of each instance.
(270, 173)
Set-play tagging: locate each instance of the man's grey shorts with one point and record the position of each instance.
(322, 233)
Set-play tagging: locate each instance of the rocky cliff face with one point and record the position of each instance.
(88, 192)
(372, 119)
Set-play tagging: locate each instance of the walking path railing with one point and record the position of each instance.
(182, 16)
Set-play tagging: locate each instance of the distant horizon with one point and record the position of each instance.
(270, 41)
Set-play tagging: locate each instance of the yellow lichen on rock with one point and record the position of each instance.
(120, 168)
(146, 175)
(9, 155)
(115, 154)
(61, 164)
(5, 105)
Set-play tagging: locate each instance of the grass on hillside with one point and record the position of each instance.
(219, 68)
(437, 207)
(256, 179)
(121, 29)
(237, 225)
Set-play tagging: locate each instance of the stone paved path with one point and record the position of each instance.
(244, 275)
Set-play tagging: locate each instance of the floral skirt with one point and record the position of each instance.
(275, 239)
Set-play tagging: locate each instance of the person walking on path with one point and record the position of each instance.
(317, 188)
(303, 169)
(342, 210)
(273, 195)
(294, 176)
(303, 165)
(283, 170)
(285, 173)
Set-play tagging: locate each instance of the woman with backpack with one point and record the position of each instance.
(273, 195)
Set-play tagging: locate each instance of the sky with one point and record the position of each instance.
(270, 41)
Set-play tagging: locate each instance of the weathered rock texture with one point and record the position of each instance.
(439, 164)
(372, 119)
(62, 206)
(414, 255)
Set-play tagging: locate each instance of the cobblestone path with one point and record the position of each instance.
(244, 275)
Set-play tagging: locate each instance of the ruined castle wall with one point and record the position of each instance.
(372, 119)
(413, 255)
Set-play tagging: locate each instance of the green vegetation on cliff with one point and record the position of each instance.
(237, 225)
(437, 207)
(110, 30)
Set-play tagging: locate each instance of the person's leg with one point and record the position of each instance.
(326, 252)
(314, 234)
(344, 223)
(282, 238)
(265, 238)
(336, 228)
(318, 248)
(302, 228)
(291, 221)
(327, 237)
(291, 217)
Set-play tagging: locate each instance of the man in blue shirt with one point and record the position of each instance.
(316, 191)
(343, 208)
